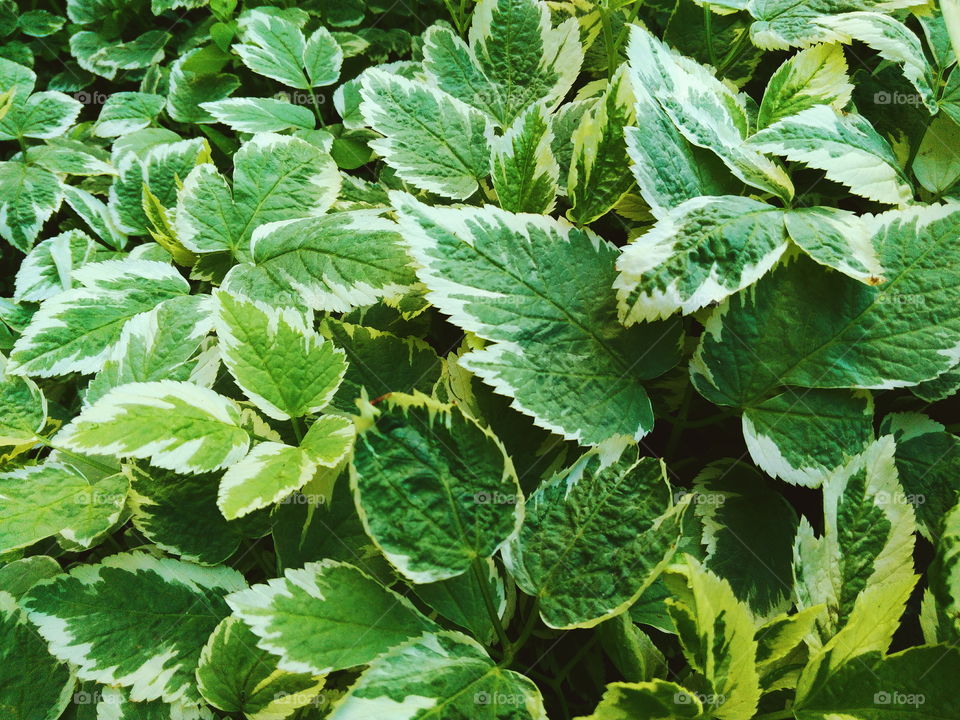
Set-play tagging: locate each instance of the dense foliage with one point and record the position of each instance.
(511, 359)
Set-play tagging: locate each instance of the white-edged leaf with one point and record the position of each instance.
(445, 675)
(845, 146)
(699, 253)
(507, 278)
(275, 177)
(126, 112)
(837, 239)
(253, 115)
(326, 616)
(523, 167)
(134, 620)
(281, 363)
(76, 330)
(335, 262)
(57, 498)
(177, 425)
(814, 76)
(893, 41)
(431, 139)
(705, 111)
(800, 436)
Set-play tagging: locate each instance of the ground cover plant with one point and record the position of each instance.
(513, 359)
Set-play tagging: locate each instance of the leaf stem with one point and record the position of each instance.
(734, 54)
(625, 30)
(298, 428)
(708, 32)
(316, 107)
(454, 16)
(608, 40)
(478, 571)
(532, 616)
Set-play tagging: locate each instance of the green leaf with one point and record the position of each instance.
(253, 115)
(285, 367)
(414, 117)
(865, 552)
(596, 181)
(654, 700)
(815, 76)
(747, 534)
(326, 616)
(699, 253)
(32, 683)
(556, 347)
(48, 268)
(40, 23)
(523, 56)
(443, 674)
(942, 596)
(917, 682)
(23, 408)
(594, 537)
(76, 330)
(434, 489)
(781, 24)
(800, 437)
(179, 514)
(523, 167)
(705, 111)
(893, 41)
(160, 344)
(237, 677)
(380, 363)
(335, 262)
(134, 620)
(936, 165)
(127, 112)
(717, 636)
(845, 147)
(176, 425)
(902, 333)
(19, 576)
(57, 498)
(928, 465)
(276, 48)
(29, 195)
(460, 599)
(192, 83)
(275, 177)
(837, 239)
